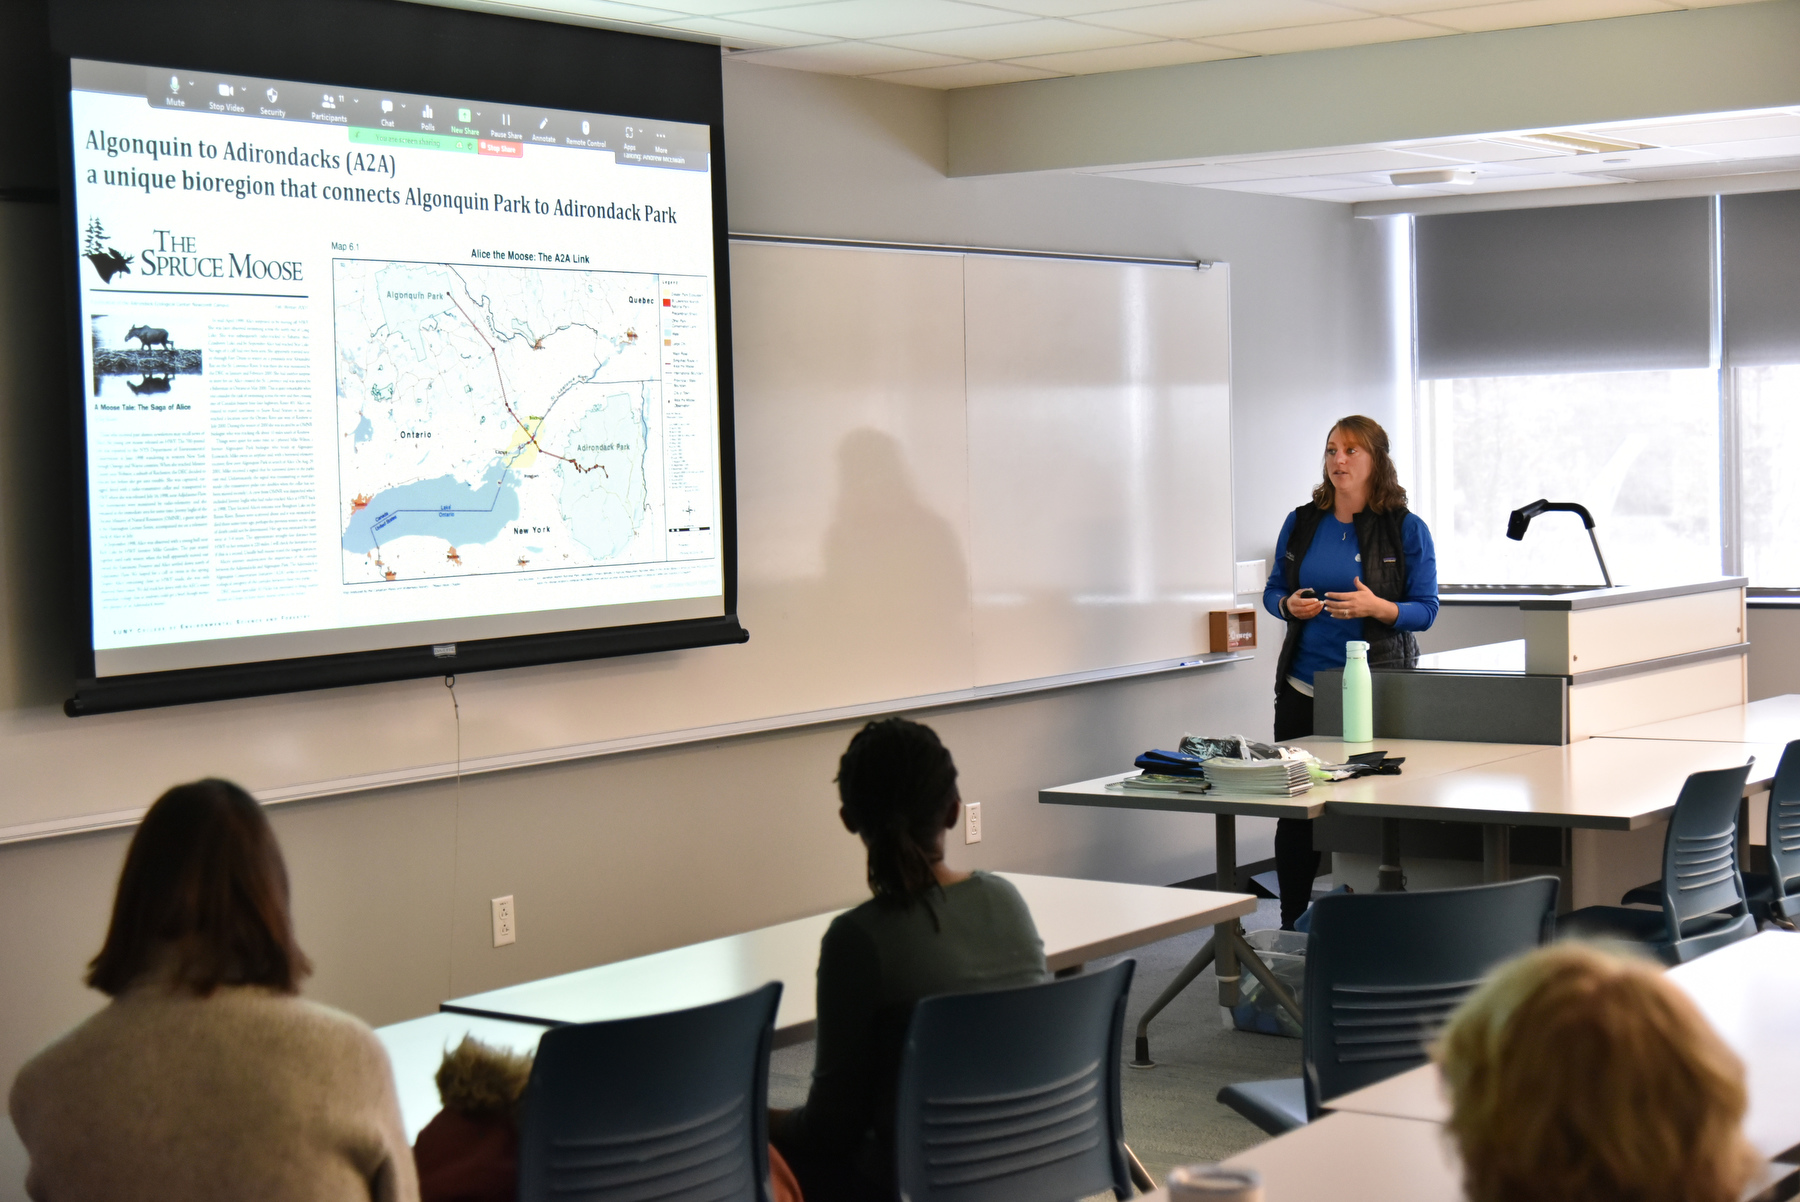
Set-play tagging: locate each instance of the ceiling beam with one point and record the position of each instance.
(1739, 56)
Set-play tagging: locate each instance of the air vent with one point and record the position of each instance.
(1571, 142)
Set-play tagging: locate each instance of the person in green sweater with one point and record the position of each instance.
(928, 930)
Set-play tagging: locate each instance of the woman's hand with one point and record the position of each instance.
(1302, 607)
(1361, 604)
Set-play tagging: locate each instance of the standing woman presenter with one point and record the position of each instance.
(1352, 563)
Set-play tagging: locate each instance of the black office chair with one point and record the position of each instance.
(1773, 895)
(1012, 1095)
(671, 1107)
(1703, 906)
(1383, 973)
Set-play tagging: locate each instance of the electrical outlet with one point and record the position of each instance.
(972, 822)
(1251, 575)
(506, 928)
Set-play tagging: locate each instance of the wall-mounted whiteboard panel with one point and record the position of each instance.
(1100, 453)
(920, 437)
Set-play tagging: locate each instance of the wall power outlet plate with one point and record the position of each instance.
(506, 928)
(972, 822)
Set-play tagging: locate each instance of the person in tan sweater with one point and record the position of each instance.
(207, 1077)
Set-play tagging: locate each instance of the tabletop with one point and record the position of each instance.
(1424, 757)
(1745, 990)
(1598, 784)
(1771, 720)
(1077, 920)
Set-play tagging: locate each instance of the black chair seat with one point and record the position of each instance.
(1649, 927)
(1276, 1107)
(1650, 894)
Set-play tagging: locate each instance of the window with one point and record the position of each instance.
(1642, 359)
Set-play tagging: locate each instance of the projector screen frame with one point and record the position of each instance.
(451, 52)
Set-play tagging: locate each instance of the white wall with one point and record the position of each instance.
(617, 856)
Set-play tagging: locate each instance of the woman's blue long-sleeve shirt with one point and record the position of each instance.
(1332, 564)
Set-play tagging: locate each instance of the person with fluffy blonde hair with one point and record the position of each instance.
(1575, 1073)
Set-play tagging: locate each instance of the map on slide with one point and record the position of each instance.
(494, 419)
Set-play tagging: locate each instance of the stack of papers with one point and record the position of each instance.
(1280, 778)
(1157, 782)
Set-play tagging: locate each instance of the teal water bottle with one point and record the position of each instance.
(1359, 704)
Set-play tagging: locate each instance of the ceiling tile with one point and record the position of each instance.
(1129, 58)
(1064, 8)
(608, 10)
(1328, 35)
(1017, 40)
(849, 58)
(1724, 129)
(1477, 150)
(1403, 8)
(1285, 187)
(681, 8)
(1204, 175)
(967, 75)
(1353, 160)
(877, 18)
(1517, 14)
(1706, 170)
(736, 33)
(1760, 148)
(1211, 18)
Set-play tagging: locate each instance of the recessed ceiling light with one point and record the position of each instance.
(1435, 175)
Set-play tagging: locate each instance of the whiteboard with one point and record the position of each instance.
(958, 475)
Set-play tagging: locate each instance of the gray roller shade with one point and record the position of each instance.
(1579, 288)
(1762, 278)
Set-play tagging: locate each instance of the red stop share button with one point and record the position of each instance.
(510, 150)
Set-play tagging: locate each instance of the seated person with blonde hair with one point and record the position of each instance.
(1579, 1074)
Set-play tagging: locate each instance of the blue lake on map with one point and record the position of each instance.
(365, 430)
(443, 508)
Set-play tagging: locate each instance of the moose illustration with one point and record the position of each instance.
(149, 337)
(150, 384)
(110, 262)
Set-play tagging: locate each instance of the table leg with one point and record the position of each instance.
(1389, 878)
(1496, 852)
(1225, 965)
(1223, 951)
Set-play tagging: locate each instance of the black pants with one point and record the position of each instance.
(1296, 863)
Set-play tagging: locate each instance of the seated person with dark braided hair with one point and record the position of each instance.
(928, 930)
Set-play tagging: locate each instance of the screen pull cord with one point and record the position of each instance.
(456, 715)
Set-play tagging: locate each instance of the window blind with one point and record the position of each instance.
(1577, 288)
(1762, 277)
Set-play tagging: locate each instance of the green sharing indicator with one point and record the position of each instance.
(414, 141)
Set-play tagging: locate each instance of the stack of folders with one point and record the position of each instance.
(1279, 778)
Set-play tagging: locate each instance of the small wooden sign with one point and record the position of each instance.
(1233, 629)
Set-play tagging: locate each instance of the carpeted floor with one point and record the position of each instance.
(1171, 1116)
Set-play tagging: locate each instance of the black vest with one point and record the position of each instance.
(1378, 541)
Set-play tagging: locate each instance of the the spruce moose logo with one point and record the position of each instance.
(107, 261)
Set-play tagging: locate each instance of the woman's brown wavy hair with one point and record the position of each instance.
(1385, 492)
(203, 899)
(1575, 1073)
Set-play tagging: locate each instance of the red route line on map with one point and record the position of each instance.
(530, 436)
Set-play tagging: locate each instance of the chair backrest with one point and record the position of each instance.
(665, 1108)
(1384, 971)
(1013, 1094)
(1701, 887)
(1784, 820)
